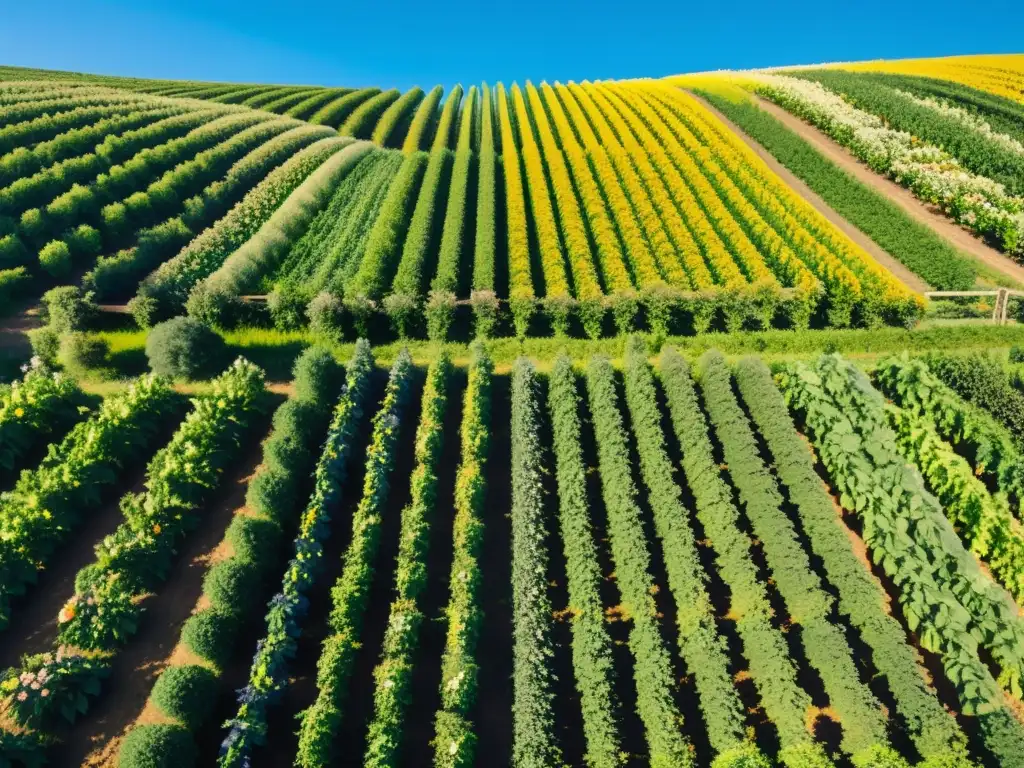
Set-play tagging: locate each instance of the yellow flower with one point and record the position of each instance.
(19, 412)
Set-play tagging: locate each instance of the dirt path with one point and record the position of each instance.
(95, 739)
(930, 217)
(880, 255)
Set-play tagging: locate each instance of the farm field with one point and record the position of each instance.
(666, 560)
(665, 423)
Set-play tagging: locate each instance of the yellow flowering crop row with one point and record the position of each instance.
(743, 250)
(786, 261)
(574, 231)
(1002, 75)
(807, 229)
(625, 149)
(556, 279)
(606, 241)
(628, 200)
(519, 280)
(717, 256)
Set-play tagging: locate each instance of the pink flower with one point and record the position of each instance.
(22, 696)
(45, 692)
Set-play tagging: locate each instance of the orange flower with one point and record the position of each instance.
(67, 613)
(157, 529)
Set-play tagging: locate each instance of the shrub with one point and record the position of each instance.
(184, 348)
(229, 584)
(45, 343)
(157, 746)
(269, 491)
(251, 538)
(325, 314)
(10, 280)
(318, 376)
(213, 305)
(66, 308)
(32, 224)
(210, 634)
(186, 693)
(287, 308)
(55, 258)
(1017, 355)
(12, 251)
(80, 353)
(143, 310)
(85, 241)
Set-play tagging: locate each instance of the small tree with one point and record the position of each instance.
(184, 348)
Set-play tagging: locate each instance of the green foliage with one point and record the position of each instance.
(79, 353)
(703, 647)
(913, 244)
(945, 598)
(55, 258)
(533, 713)
(157, 746)
(983, 381)
(455, 738)
(393, 675)
(979, 153)
(808, 604)
(185, 693)
(364, 118)
(210, 634)
(394, 122)
(269, 671)
(335, 112)
(860, 597)
(655, 684)
(66, 308)
(388, 233)
(11, 282)
(184, 348)
(423, 122)
(591, 646)
(774, 673)
(351, 592)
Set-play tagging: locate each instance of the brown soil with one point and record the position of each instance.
(96, 738)
(925, 214)
(880, 255)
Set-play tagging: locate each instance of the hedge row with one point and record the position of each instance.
(983, 381)
(103, 614)
(955, 610)
(184, 692)
(47, 503)
(807, 602)
(268, 675)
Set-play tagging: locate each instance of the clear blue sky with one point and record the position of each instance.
(402, 44)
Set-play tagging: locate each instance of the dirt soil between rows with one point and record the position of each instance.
(921, 212)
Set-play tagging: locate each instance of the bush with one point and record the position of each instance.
(210, 634)
(318, 376)
(144, 310)
(270, 492)
(85, 242)
(66, 308)
(80, 353)
(186, 693)
(55, 258)
(33, 225)
(214, 306)
(12, 251)
(287, 308)
(1017, 355)
(230, 584)
(45, 343)
(10, 281)
(252, 539)
(325, 314)
(184, 348)
(157, 746)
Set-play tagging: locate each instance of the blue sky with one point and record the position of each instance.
(400, 44)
